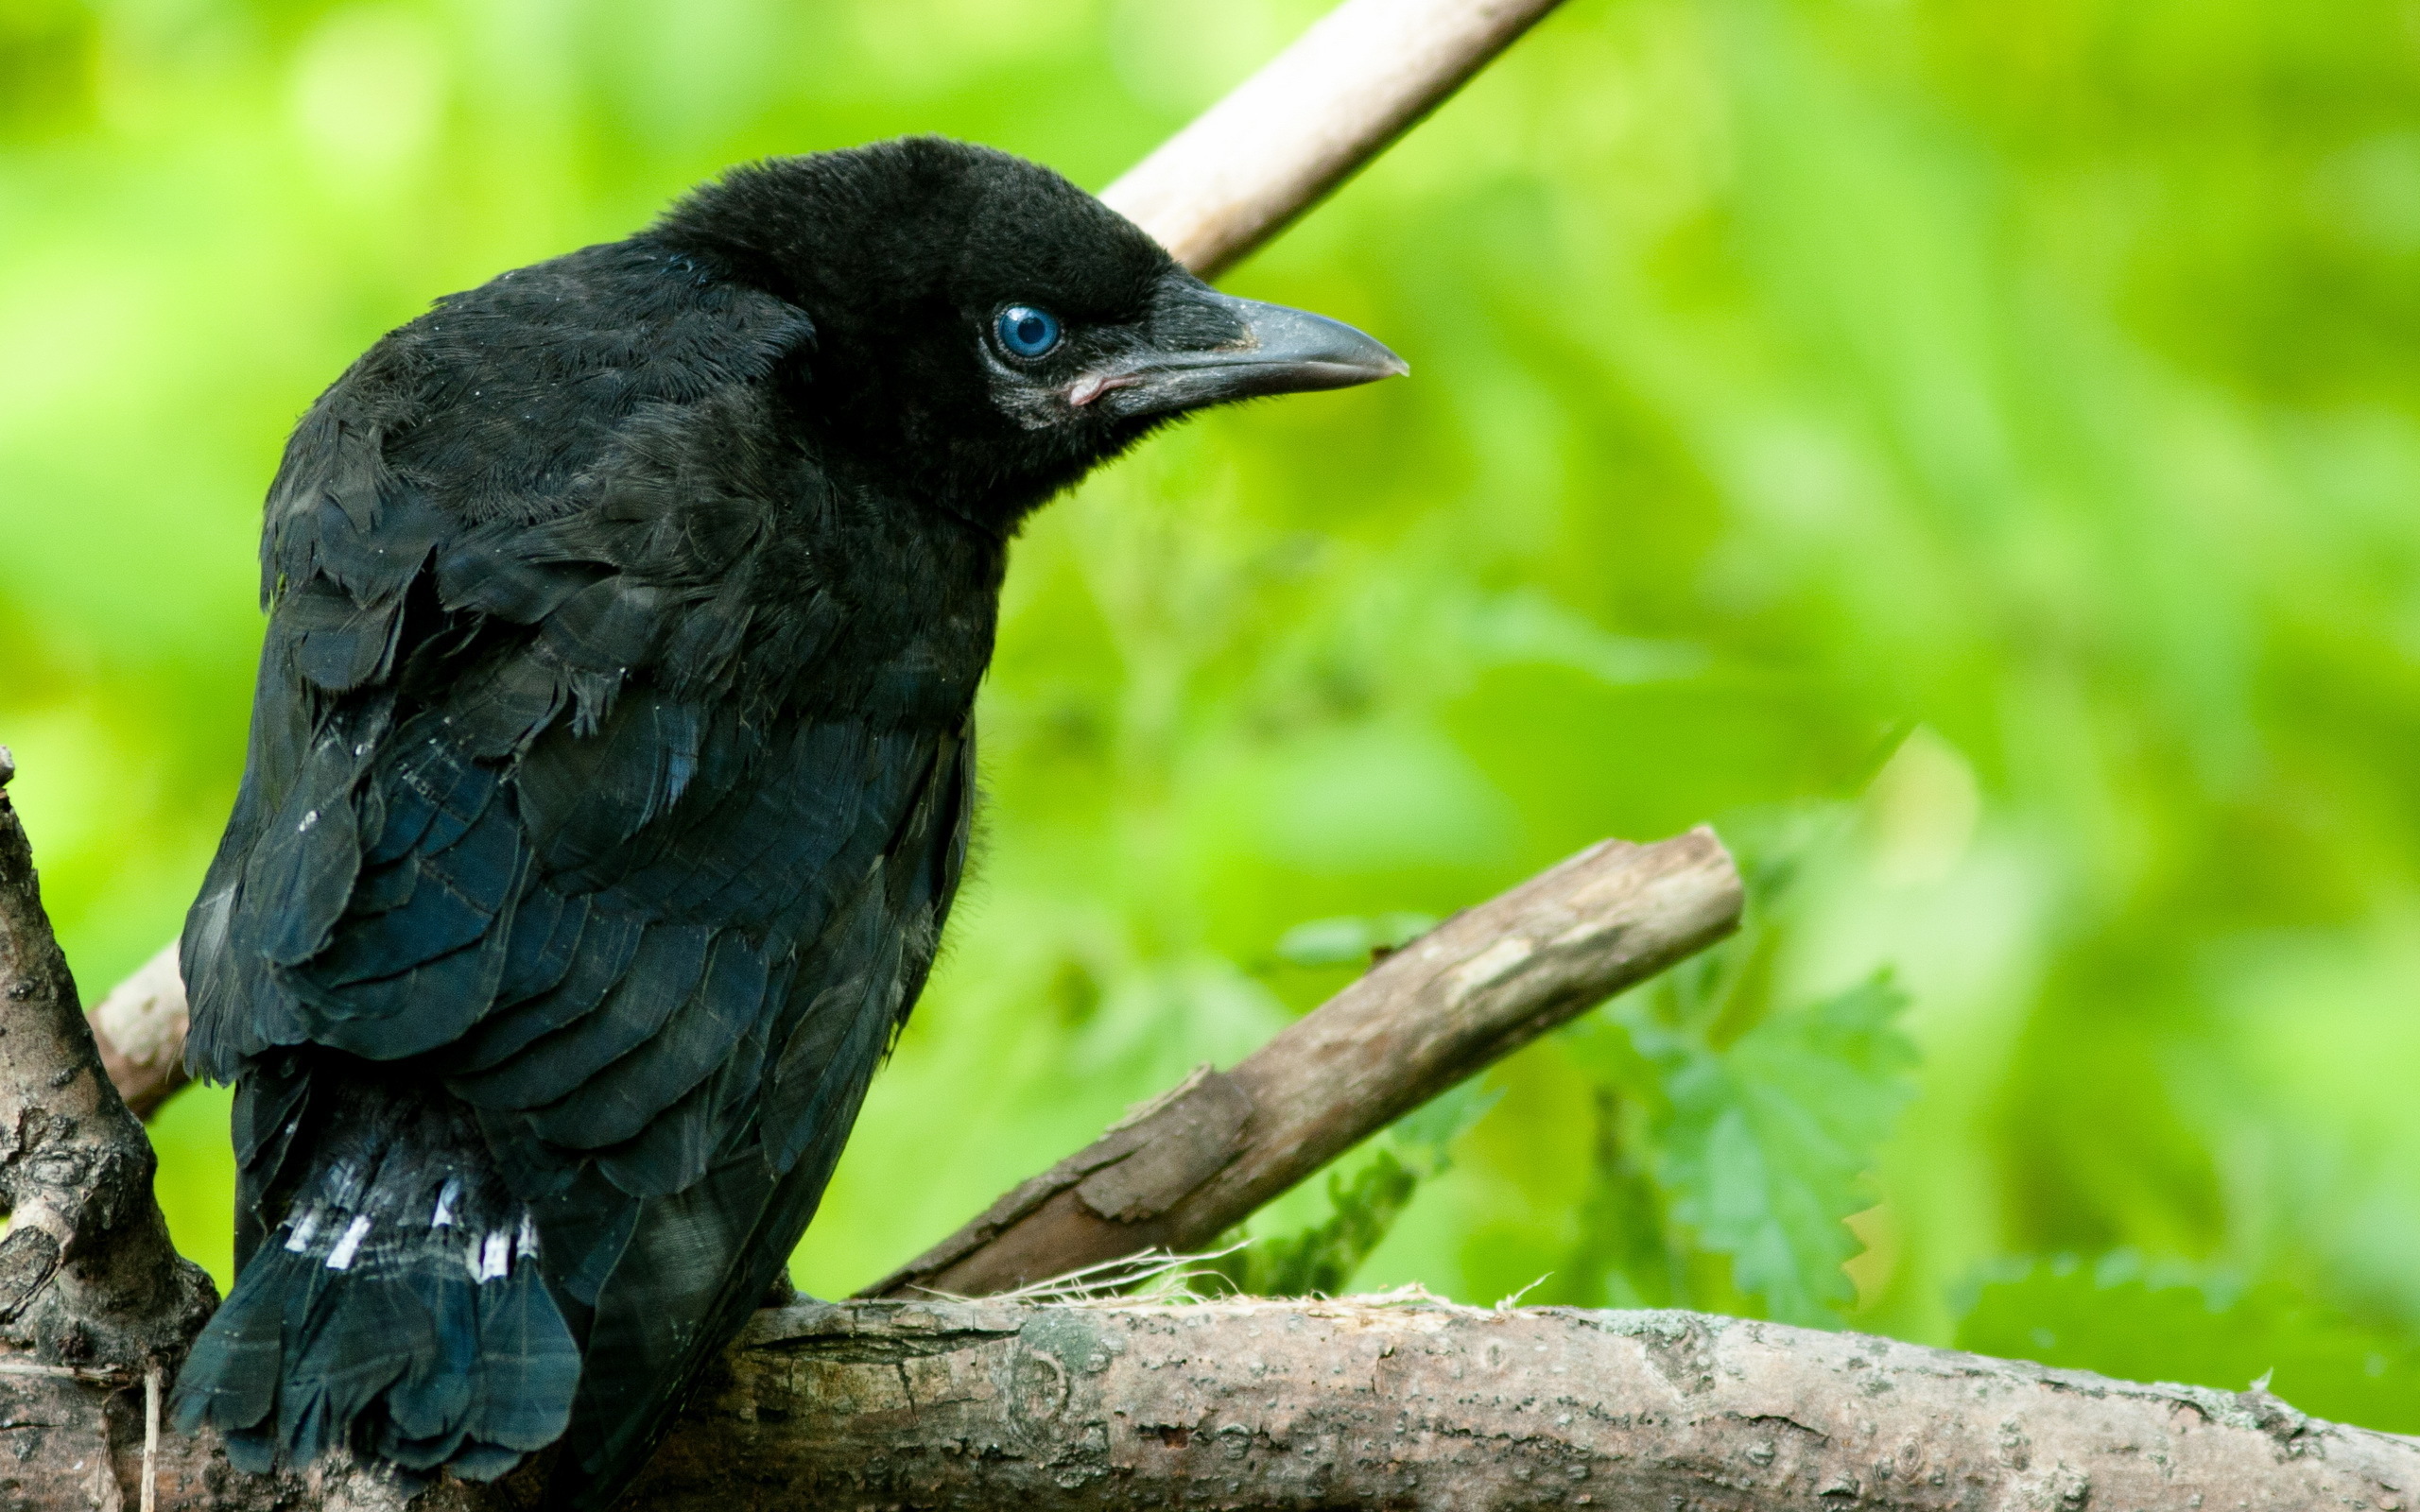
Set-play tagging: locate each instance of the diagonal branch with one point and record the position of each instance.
(1273, 148)
(1210, 1152)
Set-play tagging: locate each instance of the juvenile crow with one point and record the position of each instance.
(610, 771)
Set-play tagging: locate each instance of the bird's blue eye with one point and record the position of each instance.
(1027, 331)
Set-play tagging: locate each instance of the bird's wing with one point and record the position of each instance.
(520, 814)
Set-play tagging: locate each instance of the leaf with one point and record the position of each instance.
(1767, 1143)
(1350, 941)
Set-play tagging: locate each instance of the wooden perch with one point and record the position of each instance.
(1307, 1406)
(1390, 1404)
(1208, 1154)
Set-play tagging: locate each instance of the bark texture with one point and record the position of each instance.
(88, 1278)
(1184, 1168)
(1385, 1402)
(95, 1305)
(1416, 1404)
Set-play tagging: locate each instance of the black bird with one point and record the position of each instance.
(609, 774)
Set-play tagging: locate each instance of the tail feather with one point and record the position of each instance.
(398, 1308)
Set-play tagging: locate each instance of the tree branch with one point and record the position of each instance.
(140, 1029)
(88, 1279)
(1273, 148)
(1412, 1405)
(1418, 1404)
(94, 1299)
(1402, 1402)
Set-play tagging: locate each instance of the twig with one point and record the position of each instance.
(65, 1372)
(140, 1028)
(151, 1440)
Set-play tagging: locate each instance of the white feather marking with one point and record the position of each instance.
(524, 1242)
(309, 1224)
(340, 1258)
(495, 1260)
(443, 1216)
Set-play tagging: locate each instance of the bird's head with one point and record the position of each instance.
(986, 331)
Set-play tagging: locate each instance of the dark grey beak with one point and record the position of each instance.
(1208, 348)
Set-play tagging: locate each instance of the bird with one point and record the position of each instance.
(611, 772)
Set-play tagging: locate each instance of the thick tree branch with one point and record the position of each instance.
(1410, 1404)
(1481, 985)
(1270, 1404)
(95, 1305)
(88, 1278)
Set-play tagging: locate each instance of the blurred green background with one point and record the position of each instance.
(1968, 452)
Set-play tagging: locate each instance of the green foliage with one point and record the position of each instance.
(2122, 1317)
(1754, 1127)
(1996, 427)
(1769, 1139)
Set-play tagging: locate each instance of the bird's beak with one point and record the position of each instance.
(1207, 348)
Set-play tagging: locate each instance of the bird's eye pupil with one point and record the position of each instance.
(1027, 331)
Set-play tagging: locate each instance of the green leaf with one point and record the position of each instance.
(1767, 1143)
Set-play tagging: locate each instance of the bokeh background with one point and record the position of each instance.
(1970, 453)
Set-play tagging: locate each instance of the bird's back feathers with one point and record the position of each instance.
(595, 796)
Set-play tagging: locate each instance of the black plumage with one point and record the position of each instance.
(610, 776)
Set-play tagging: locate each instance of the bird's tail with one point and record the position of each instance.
(395, 1308)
